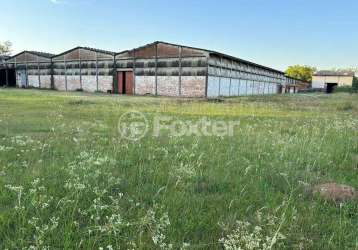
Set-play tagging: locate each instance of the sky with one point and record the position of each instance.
(274, 33)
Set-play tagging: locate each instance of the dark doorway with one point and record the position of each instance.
(7, 78)
(125, 82)
(11, 78)
(2, 77)
(331, 87)
(279, 89)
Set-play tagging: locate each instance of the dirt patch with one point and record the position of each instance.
(80, 102)
(216, 100)
(335, 192)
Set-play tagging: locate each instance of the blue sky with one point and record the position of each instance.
(276, 33)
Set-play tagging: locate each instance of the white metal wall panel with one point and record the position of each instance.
(318, 84)
(273, 88)
(260, 88)
(250, 88)
(266, 88)
(243, 90)
(270, 88)
(224, 86)
(213, 86)
(234, 88)
(254, 88)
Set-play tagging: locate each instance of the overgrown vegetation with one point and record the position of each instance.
(69, 181)
(344, 89)
(355, 85)
(301, 72)
(5, 48)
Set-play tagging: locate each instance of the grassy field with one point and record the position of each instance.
(68, 180)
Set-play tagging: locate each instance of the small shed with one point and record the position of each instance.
(327, 80)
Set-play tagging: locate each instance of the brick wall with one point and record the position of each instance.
(145, 85)
(105, 83)
(193, 86)
(168, 85)
(33, 81)
(59, 82)
(73, 83)
(45, 81)
(89, 83)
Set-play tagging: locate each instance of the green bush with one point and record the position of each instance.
(355, 85)
(348, 89)
(343, 89)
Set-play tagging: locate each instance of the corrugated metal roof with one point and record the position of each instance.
(43, 54)
(333, 73)
(86, 48)
(36, 53)
(210, 52)
(99, 50)
(231, 57)
(297, 79)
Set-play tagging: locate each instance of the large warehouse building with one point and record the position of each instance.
(175, 70)
(158, 68)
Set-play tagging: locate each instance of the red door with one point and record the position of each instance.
(125, 82)
(120, 79)
(129, 83)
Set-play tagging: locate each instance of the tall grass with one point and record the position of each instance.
(68, 180)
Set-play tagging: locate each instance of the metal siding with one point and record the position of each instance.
(234, 87)
(242, 89)
(225, 87)
(213, 86)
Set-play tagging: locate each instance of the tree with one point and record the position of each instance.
(5, 48)
(355, 84)
(301, 72)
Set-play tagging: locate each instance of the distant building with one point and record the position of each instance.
(328, 80)
(294, 85)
